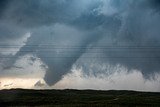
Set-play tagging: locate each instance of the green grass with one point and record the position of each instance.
(78, 98)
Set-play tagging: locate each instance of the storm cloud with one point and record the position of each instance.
(63, 33)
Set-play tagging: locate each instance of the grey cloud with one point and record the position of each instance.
(128, 35)
(10, 31)
(33, 13)
(131, 39)
(59, 50)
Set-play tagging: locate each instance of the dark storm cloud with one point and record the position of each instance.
(33, 13)
(135, 41)
(125, 32)
(155, 3)
(3, 4)
(10, 31)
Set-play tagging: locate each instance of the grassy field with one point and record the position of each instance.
(77, 98)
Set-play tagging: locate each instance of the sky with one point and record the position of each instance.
(80, 44)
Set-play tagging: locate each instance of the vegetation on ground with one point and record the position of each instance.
(78, 98)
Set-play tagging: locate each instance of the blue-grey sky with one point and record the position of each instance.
(60, 34)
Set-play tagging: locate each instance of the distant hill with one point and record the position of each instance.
(78, 98)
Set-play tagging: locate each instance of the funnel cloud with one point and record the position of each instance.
(83, 33)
